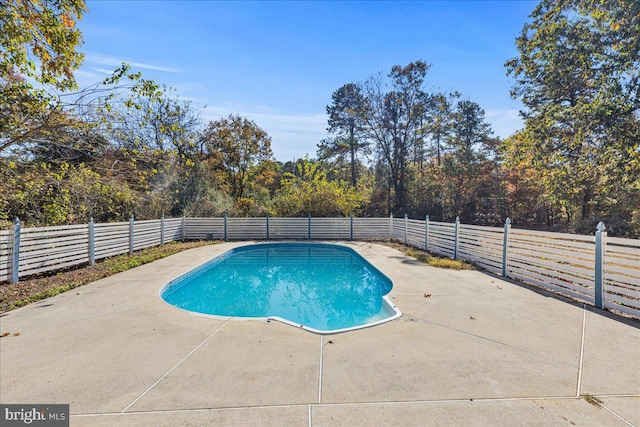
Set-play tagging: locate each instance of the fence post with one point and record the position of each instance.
(505, 248)
(351, 227)
(184, 227)
(601, 235)
(225, 227)
(15, 252)
(91, 239)
(390, 226)
(162, 229)
(455, 242)
(426, 233)
(309, 226)
(405, 228)
(131, 222)
(267, 227)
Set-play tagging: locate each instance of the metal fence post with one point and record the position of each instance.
(15, 252)
(184, 228)
(405, 228)
(599, 267)
(225, 227)
(426, 233)
(162, 229)
(91, 240)
(455, 242)
(131, 221)
(351, 227)
(309, 226)
(505, 248)
(267, 227)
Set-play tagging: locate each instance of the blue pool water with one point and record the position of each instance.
(321, 287)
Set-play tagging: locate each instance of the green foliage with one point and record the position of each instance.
(578, 75)
(469, 129)
(42, 195)
(309, 192)
(439, 120)
(213, 203)
(236, 145)
(393, 114)
(347, 129)
(39, 39)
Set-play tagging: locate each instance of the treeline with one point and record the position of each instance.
(128, 146)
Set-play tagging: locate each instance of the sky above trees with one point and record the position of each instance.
(277, 63)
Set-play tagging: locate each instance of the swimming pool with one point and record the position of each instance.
(323, 288)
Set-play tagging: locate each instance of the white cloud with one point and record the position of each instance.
(85, 76)
(116, 62)
(292, 135)
(106, 71)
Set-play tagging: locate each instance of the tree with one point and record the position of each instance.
(468, 129)
(309, 192)
(394, 121)
(38, 41)
(577, 74)
(236, 144)
(468, 173)
(67, 194)
(439, 119)
(346, 128)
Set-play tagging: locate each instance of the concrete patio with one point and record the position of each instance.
(478, 351)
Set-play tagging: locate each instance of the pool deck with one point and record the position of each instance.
(470, 349)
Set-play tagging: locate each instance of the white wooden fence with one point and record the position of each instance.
(596, 269)
(288, 228)
(29, 251)
(600, 270)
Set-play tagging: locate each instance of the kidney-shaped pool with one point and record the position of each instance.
(323, 288)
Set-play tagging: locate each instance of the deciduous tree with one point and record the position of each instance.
(577, 74)
(236, 144)
(38, 42)
(394, 113)
(309, 192)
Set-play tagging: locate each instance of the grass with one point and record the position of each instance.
(591, 399)
(14, 295)
(431, 259)
(436, 261)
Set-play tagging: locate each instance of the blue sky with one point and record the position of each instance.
(278, 63)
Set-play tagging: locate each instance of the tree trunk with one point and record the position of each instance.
(586, 203)
(353, 157)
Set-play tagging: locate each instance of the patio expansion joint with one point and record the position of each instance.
(320, 373)
(620, 417)
(175, 366)
(310, 406)
(584, 321)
